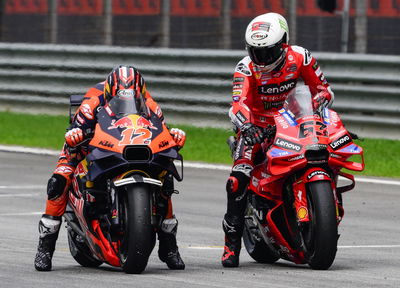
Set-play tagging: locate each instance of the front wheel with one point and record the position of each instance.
(320, 235)
(139, 234)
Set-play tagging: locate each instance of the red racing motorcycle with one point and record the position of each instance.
(294, 202)
(112, 214)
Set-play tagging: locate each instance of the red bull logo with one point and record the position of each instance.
(132, 121)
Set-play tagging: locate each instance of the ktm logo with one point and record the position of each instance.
(163, 144)
(106, 144)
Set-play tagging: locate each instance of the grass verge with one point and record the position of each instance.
(203, 144)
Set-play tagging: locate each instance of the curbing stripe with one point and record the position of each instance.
(188, 164)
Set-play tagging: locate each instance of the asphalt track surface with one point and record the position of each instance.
(368, 253)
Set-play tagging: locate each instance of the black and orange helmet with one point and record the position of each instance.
(123, 78)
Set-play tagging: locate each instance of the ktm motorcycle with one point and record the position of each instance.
(294, 202)
(112, 215)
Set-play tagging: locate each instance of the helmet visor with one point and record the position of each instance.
(265, 55)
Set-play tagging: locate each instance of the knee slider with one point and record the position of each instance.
(237, 182)
(56, 186)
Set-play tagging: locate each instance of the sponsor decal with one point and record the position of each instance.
(106, 144)
(302, 213)
(279, 153)
(237, 92)
(290, 58)
(277, 75)
(275, 89)
(318, 72)
(281, 121)
(239, 115)
(87, 112)
(339, 143)
(316, 146)
(287, 144)
(270, 105)
(296, 158)
(238, 79)
(261, 26)
(163, 144)
(353, 148)
(126, 93)
(289, 76)
(237, 86)
(291, 68)
(318, 172)
(108, 110)
(236, 98)
(288, 118)
(259, 36)
(307, 57)
(327, 119)
(315, 66)
(242, 68)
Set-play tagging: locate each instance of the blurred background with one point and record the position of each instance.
(361, 26)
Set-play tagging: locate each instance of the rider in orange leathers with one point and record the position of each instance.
(76, 148)
(261, 83)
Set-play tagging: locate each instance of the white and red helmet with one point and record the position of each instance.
(266, 38)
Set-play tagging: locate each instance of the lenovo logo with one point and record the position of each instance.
(275, 89)
(340, 142)
(287, 144)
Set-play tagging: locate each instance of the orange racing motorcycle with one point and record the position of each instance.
(294, 202)
(112, 214)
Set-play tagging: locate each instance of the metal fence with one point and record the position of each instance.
(192, 86)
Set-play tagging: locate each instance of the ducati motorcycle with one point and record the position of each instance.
(294, 202)
(112, 214)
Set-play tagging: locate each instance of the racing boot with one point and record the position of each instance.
(233, 228)
(168, 250)
(49, 227)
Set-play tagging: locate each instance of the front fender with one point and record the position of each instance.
(300, 190)
(137, 179)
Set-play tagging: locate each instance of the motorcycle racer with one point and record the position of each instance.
(120, 80)
(261, 83)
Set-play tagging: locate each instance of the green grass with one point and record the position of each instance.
(203, 144)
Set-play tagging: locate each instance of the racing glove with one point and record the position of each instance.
(74, 137)
(251, 134)
(321, 99)
(179, 136)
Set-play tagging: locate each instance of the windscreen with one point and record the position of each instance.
(299, 102)
(128, 102)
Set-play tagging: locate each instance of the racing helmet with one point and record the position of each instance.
(123, 79)
(267, 36)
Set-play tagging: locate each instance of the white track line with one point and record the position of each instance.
(341, 247)
(186, 163)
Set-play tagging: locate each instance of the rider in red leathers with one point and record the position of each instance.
(76, 148)
(261, 83)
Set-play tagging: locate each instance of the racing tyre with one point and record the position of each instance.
(139, 237)
(80, 251)
(320, 236)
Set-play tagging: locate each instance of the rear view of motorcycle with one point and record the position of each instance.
(114, 207)
(295, 202)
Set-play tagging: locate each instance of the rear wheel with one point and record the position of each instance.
(320, 235)
(139, 234)
(254, 243)
(80, 251)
